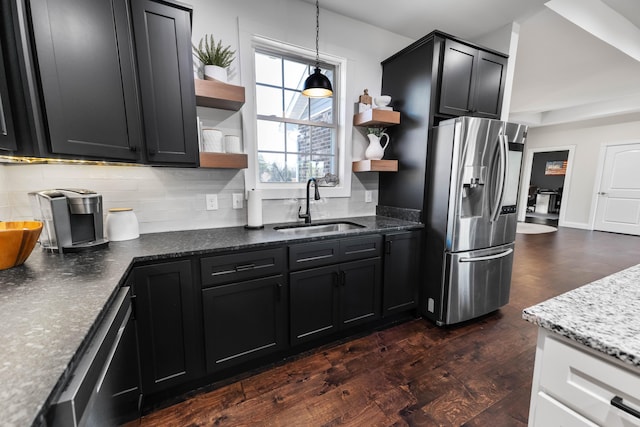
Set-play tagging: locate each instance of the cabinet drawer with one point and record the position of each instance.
(549, 412)
(316, 254)
(360, 248)
(241, 266)
(587, 383)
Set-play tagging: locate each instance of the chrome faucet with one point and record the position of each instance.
(307, 216)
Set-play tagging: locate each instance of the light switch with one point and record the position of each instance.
(237, 200)
(368, 196)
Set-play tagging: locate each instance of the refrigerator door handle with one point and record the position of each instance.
(503, 146)
(488, 257)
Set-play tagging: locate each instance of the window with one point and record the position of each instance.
(296, 135)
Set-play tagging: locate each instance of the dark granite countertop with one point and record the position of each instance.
(49, 305)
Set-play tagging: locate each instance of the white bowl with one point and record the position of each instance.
(382, 101)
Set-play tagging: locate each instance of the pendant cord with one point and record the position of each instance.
(317, 33)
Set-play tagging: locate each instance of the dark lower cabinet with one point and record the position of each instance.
(401, 271)
(163, 50)
(327, 299)
(121, 385)
(169, 340)
(244, 321)
(314, 303)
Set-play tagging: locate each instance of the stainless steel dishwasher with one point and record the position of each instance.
(103, 389)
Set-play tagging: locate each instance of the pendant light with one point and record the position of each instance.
(317, 84)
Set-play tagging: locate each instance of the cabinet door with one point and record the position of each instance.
(457, 82)
(243, 321)
(360, 292)
(163, 49)
(314, 303)
(167, 326)
(401, 272)
(85, 59)
(492, 72)
(7, 132)
(119, 396)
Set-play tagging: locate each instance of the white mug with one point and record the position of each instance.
(212, 140)
(232, 144)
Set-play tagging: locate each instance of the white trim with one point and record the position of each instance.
(287, 191)
(580, 225)
(599, 171)
(526, 181)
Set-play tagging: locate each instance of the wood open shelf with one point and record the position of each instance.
(223, 160)
(375, 166)
(216, 94)
(377, 118)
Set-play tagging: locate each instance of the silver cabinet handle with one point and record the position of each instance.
(601, 193)
(488, 257)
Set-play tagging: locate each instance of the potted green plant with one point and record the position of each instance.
(214, 57)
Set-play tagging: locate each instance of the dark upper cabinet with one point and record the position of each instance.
(163, 51)
(87, 77)
(401, 272)
(471, 81)
(7, 132)
(103, 80)
(169, 337)
(244, 321)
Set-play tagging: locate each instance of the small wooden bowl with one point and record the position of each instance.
(17, 239)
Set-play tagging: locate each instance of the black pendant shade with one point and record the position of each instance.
(317, 85)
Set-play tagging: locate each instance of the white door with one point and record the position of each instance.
(618, 204)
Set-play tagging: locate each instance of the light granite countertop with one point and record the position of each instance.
(603, 315)
(53, 302)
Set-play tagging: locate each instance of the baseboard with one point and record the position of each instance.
(580, 225)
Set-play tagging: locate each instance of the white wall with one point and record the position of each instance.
(362, 46)
(174, 198)
(5, 208)
(166, 199)
(588, 137)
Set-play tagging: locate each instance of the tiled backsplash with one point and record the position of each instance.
(166, 199)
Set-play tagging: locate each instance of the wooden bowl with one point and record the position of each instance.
(17, 239)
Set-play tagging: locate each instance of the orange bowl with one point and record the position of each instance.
(17, 239)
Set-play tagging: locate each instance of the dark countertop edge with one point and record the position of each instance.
(284, 240)
(40, 418)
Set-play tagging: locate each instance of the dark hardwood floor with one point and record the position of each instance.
(416, 374)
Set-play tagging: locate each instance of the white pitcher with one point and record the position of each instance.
(375, 151)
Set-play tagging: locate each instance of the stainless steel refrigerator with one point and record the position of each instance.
(471, 217)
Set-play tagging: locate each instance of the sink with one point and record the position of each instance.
(318, 228)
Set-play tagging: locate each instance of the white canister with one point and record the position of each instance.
(122, 224)
(232, 144)
(212, 140)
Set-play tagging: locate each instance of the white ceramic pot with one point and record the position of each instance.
(375, 150)
(122, 224)
(213, 72)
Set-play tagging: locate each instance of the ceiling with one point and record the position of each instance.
(576, 59)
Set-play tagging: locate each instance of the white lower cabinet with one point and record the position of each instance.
(576, 386)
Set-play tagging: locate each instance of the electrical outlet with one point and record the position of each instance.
(212, 202)
(237, 200)
(368, 196)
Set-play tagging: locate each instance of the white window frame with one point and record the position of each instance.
(296, 190)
